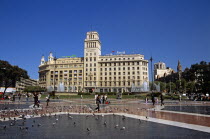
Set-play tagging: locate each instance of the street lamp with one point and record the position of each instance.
(54, 77)
(151, 59)
(69, 84)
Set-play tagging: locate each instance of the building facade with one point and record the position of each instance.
(93, 72)
(160, 70)
(20, 85)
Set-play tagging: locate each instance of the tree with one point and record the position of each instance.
(34, 89)
(171, 87)
(190, 87)
(10, 74)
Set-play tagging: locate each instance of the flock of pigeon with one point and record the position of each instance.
(21, 115)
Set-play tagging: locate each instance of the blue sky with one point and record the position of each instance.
(169, 30)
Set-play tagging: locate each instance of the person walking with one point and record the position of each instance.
(36, 100)
(180, 97)
(146, 100)
(153, 99)
(48, 100)
(103, 99)
(161, 99)
(27, 97)
(19, 96)
(98, 101)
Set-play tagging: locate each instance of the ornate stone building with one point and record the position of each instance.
(160, 70)
(93, 72)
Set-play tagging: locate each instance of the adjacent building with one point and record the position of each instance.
(93, 72)
(160, 70)
(20, 85)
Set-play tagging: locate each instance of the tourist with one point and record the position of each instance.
(146, 100)
(161, 99)
(48, 99)
(153, 99)
(36, 100)
(98, 101)
(27, 97)
(19, 96)
(13, 97)
(103, 99)
(180, 97)
(96, 96)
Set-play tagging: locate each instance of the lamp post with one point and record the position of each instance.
(54, 77)
(90, 82)
(69, 84)
(151, 59)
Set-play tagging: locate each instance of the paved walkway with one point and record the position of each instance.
(132, 108)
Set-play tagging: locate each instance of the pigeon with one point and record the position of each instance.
(123, 128)
(116, 126)
(88, 129)
(39, 125)
(53, 124)
(11, 124)
(105, 123)
(123, 118)
(5, 127)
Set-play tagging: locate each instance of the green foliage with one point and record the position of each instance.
(9, 74)
(34, 89)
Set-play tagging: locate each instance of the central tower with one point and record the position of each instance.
(92, 51)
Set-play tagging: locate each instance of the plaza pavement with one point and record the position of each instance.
(129, 107)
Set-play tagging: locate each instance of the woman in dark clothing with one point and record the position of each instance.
(36, 100)
(98, 102)
(161, 99)
(153, 100)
